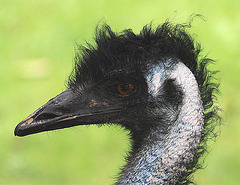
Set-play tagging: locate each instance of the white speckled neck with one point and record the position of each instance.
(164, 160)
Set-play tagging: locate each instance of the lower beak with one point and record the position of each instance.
(66, 110)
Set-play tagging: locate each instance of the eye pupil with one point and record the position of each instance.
(125, 88)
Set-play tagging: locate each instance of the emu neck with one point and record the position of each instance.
(163, 158)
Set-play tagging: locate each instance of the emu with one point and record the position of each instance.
(153, 84)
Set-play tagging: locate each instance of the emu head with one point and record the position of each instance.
(124, 80)
(142, 82)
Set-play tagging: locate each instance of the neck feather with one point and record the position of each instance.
(166, 156)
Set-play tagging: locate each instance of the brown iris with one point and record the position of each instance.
(125, 88)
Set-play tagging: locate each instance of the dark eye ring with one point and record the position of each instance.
(125, 88)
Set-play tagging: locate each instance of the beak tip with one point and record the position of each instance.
(19, 131)
(16, 131)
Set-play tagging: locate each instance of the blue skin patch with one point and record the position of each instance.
(157, 74)
(155, 78)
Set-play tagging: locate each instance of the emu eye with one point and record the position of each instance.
(125, 88)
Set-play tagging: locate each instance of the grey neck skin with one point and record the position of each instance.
(165, 159)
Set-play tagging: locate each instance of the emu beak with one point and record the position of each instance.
(69, 109)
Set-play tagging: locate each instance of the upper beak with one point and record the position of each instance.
(66, 110)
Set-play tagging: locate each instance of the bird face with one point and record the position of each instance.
(115, 100)
(123, 80)
(136, 100)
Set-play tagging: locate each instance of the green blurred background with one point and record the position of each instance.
(37, 41)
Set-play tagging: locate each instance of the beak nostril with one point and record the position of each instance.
(45, 116)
